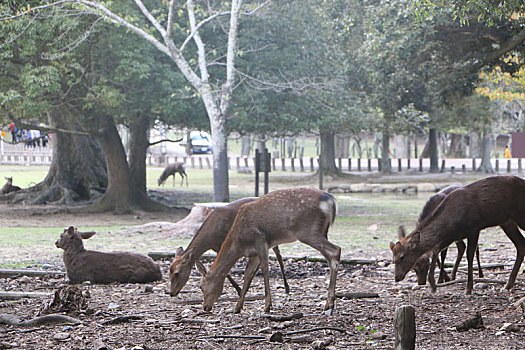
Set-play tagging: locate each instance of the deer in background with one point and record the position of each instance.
(211, 235)
(422, 264)
(9, 187)
(171, 170)
(492, 201)
(279, 217)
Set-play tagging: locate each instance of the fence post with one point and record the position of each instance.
(200, 163)
(340, 164)
(301, 164)
(192, 162)
(273, 164)
(420, 164)
(238, 162)
(442, 165)
(283, 165)
(405, 328)
(473, 164)
(408, 163)
(379, 164)
(463, 168)
(399, 168)
(358, 164)
(293, 164)
(519, 166)
(311, 164)
(208, 162)
(452, 170)
(497, 165)
(369, 166)
(349, 164)
(508, 166)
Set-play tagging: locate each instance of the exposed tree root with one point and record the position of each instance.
(37, 321)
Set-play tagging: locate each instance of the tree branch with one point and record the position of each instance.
(150, 17)
(509, 45)
(163, 140)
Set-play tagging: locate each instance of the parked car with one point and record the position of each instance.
(201, 142)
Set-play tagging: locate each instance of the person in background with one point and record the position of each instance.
(507, 152)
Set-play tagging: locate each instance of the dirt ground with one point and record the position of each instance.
(137, 316)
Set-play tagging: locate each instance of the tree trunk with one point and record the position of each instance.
(386, 166)
(457, 146)
(433, 150)
(139, 144)
(246, 145)
(77, 171)
(486, 149)
(327, 157)
(220, 158)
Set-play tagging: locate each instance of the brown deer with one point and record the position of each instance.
(492, 201)
(100, 267)
(422, 264)
(210, 235)
(282, 216)
(9, 187)
(171, 170)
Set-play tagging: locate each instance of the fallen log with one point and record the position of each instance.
(200, 301)
(37, 321)
(30, 273)
(357, 295)
(21, 295)
(170, 255)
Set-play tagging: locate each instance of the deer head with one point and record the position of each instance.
(405, 252)
(180, 271)
(72, 235)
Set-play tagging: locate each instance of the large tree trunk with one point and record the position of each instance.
(327, 157)
(77, 171)
(486, 149)
(220, 158)
(433, 150)
(386, 166)
(139, 143)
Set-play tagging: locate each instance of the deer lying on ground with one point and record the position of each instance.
(282, 216)
(210, 235)
(493, 201)
(422, 264)
(9, 187)
(171, 170)
(99, 267)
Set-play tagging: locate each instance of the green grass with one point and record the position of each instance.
(23, 176)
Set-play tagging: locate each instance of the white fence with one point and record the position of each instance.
(22, 154)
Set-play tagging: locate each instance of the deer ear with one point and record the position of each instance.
(201, 268)
(87, 235)
(179, 251)
(392, 245)
(401, 232)
(415, 239)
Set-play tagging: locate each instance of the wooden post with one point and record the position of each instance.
(497, 165)
(238, 162)
(463, 168)
(369, 165)
(442, 165)
(246, 162)
(519, 166)
(420, 164)
(293, 164)
(379, 164)
(340, 164)
(301, 164)
(283, 165)
(311, 164)
(200, 163)
(452, 169)
(349, 164)
(399, 167)
(408, 163)
(473, 164)
(405, 328)
(508, 166)
(273, 164)
(208, 164)
(358, 164)
(192, 162)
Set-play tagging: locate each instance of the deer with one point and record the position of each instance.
(9, 187)
(422, 264)
(100, 267)
(492, 201)
(281, 216)
(211, 235)
(171, 170)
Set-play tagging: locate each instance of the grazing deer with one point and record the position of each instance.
(282, 216)
(493, 201)
(210, 235)
(100, 267)
(422, 264)
(8, 187)
(171, 170)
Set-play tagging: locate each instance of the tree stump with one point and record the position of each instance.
(405, 328)
(186, 227)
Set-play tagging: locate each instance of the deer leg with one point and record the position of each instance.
(281, 265)
(332, 254)
(431, 272)
(480, 271)
(461, 251)
(262, 252)
(512, 231)
(249, 273)
(234, 284)
(443, 276)
(472, 243)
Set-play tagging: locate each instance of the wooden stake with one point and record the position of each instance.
(405, 328)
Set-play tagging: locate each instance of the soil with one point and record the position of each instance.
(138, 316)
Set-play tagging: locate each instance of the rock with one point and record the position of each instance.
(113, 306)
(24, 279)
(378, 336)
(61, 336)
(49, 267)
(510, 327)
(148, 288)
(426, 187)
